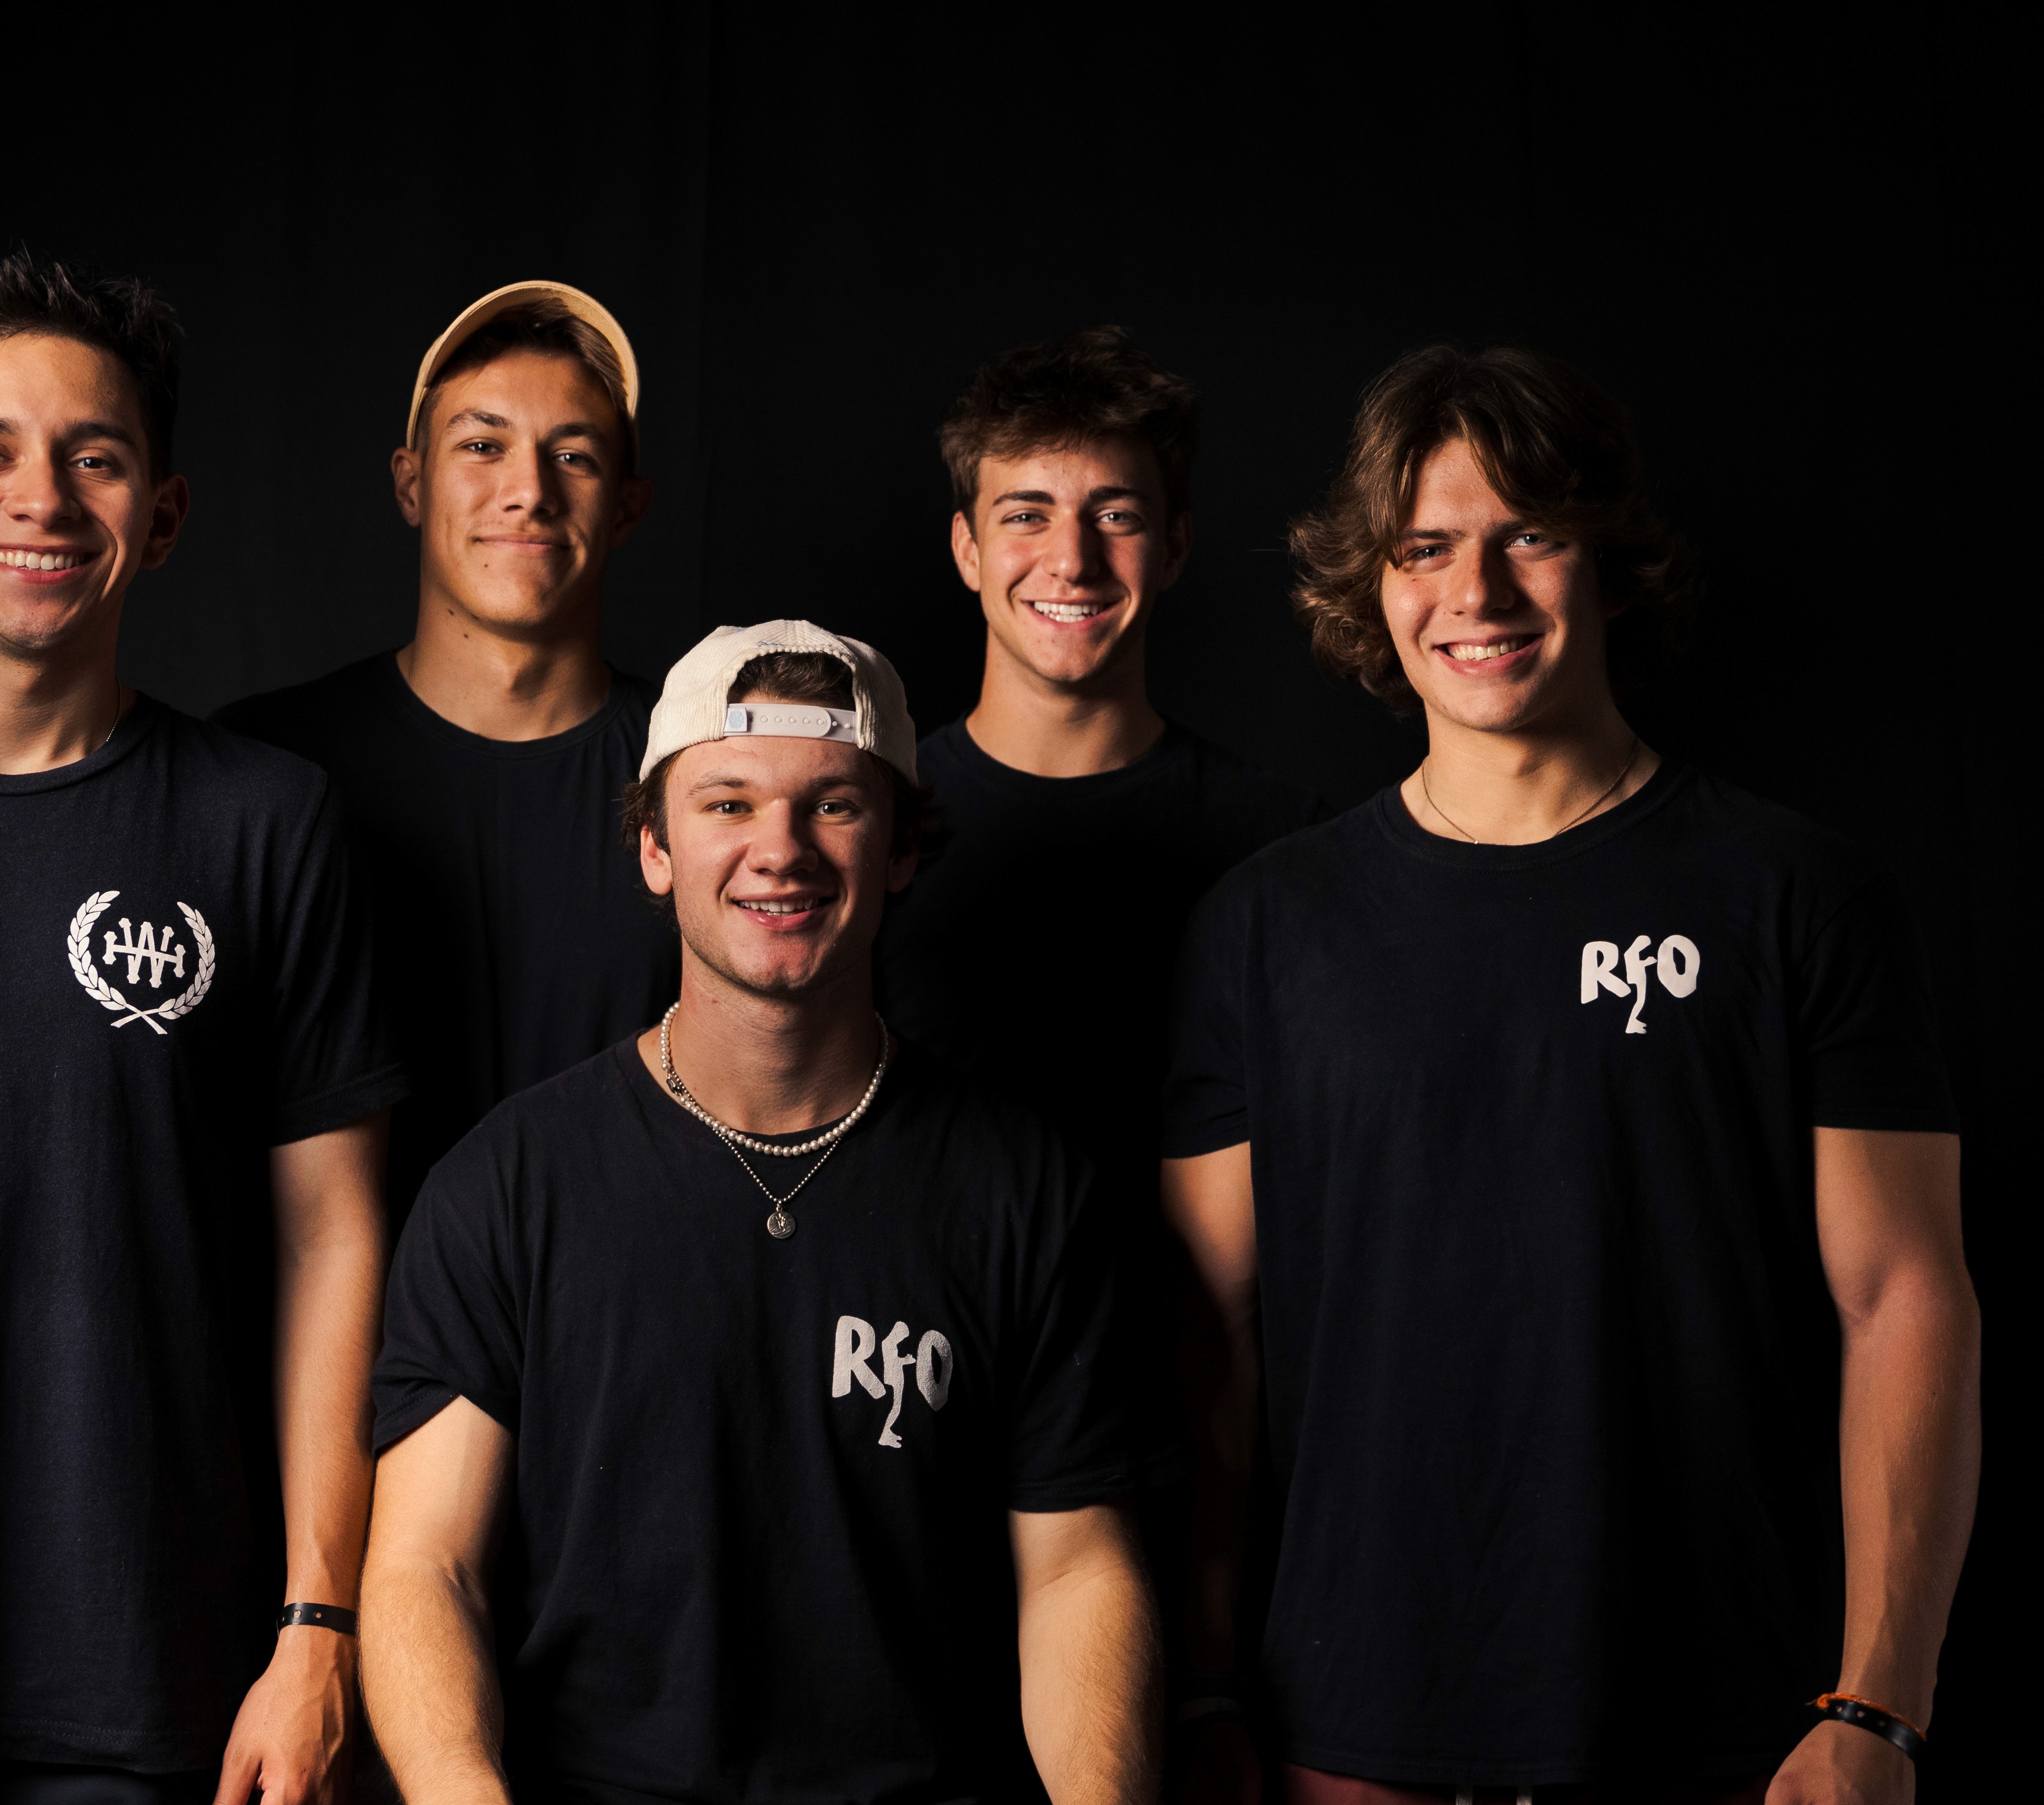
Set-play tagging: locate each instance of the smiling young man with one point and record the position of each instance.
(1574, 1125)
(1071, 467)
(191, 1250)
(482, 763)
(761, 1358)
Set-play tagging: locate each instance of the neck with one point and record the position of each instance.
(56, 711)
(503, 686)
(1511, 789)
(1051, 730)
(770, 1065)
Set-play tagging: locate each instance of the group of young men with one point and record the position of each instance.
(1028, 1261)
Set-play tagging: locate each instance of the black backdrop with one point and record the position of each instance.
(1782, 246)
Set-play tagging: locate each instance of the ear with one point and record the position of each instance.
(654, 864)
(900, 868)
(1178, 548)
(406, 472)
(964, 550)
(634, 495)
(167, 519)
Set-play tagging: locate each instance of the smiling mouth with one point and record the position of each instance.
(1066, 613)
(45, 560)
(1471, 651)
(781, 905)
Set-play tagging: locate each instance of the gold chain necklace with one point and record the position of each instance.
(1626, 772)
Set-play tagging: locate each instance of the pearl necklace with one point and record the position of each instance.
(780, 1225)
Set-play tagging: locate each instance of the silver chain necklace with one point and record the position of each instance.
(1472, 839)
(780, 1225)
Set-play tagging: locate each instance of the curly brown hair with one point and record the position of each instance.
(1556, 448)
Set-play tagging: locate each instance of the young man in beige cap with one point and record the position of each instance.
(192, 1084)
(481, 763)
(767, 1356)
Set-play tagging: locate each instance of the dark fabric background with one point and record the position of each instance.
(1787, 246)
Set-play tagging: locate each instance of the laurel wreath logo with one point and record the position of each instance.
(79, 944)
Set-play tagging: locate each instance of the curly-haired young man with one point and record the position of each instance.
(191, 1145)
(1576, 1124)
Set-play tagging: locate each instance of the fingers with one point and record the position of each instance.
(239, 1770)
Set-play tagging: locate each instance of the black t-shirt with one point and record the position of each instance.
(1551, 1365)
(512, 920)
(1036, 950)
(184, 983)
(757, 1547)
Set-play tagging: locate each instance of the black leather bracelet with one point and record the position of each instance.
(1863, 1713)
(325, 1616)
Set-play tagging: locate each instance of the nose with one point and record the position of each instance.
(1487, 585)
(780, 848)
(531, 484)
(35, 490)
(1072, 552)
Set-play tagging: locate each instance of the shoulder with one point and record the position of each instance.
(635, 696)
(215, 765)
(557, 1126)
(1722, 828)
(968, 1122)
(1227, 774)
(305, 717)
(944, 752)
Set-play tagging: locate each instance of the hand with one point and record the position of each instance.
(1838, 1764)
(1213, 1762)
(294, 1735)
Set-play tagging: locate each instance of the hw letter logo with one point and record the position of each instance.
(1676, 963)
(931, 1363)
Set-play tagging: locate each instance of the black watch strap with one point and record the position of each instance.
(326, 1616)
(1864, 1713)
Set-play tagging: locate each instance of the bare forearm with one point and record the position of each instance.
(429, 1677)
(1091, 1686)
(1909, 1445)
(327, 1316)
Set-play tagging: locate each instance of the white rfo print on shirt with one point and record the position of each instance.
(931, 1363)
(1676, 965)
(146, 945)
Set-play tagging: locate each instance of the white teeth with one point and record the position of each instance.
(41, 561)
(1496, 648)
(1068, 610)
(799, 905)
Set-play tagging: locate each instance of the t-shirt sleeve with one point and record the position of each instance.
(451, 1324)
(1068, 1442)
(1206, 1096)
(331, 1057)
(1869, 1036)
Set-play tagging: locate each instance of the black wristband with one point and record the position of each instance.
(325, 1616)
(1862, 1714)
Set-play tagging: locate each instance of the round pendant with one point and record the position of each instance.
(780, 1225)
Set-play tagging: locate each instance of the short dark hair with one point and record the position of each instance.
(1092, 385)
(1553, 445)
(121, 315)
(815, 677)
(549, 327)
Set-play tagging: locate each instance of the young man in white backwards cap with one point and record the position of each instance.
(481, 763)
(760, 1358)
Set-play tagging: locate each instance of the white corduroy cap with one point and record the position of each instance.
(694, 704)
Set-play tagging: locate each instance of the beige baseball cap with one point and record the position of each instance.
(479, 314)
(694, 704)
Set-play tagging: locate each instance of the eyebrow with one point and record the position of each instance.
(1106, 492)
(571, 429)
(88, 429)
